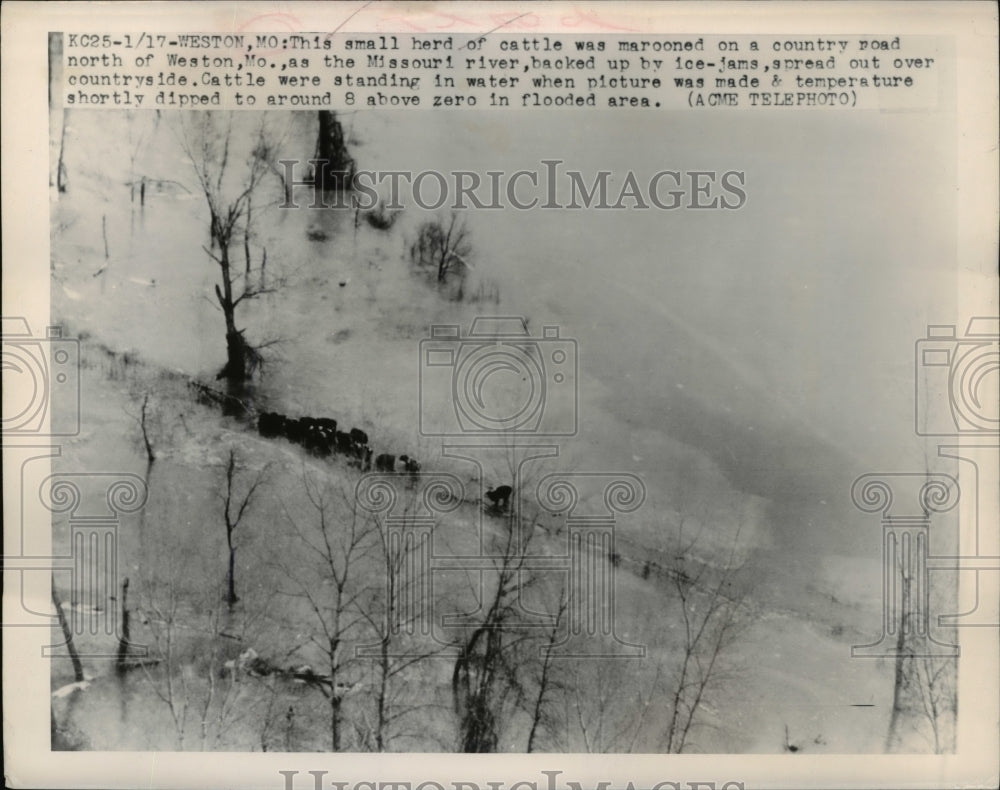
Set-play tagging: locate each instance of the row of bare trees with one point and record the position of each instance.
(329, 619)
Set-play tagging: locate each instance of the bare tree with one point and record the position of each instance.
(709, 601)
(507, 672)
(936, 679)
(144, 427)
(488, 678)
(393, 611)
(148, 419)
(235, 507)
(924, 699)
(267, 151)
(68, 636)
(63, 737)
(139, 130)
(228, 191)
(925, 693)
(62, 179)
(442, 246)
(121, 658)
(264, 156)
(55, 47)
(336, 542)
(187, 670)
(549, 683)
(603, 702)
(704, 611)
(170, 686)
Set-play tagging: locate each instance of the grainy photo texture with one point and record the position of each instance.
(513, 390)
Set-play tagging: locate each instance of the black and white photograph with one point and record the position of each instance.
(579, 384)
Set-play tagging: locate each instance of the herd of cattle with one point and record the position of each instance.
(321, 437)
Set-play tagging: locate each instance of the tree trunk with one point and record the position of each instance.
(893, 737)
(68, 636)
(231, 598)
(246, 243)
(147, 443)
(226, 300)
(335, 168)
(382, 691)
(123, 642)
(473, 690)
(334, 721)
(61, 179)
(235, 371)
(236, 358)
(536, 716)
(289, 724)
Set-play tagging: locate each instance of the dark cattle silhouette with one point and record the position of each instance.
(384, 462)
(410, 465)
(500, 496)
(271, 424)
(318, 441)
(319, 435)
(298, 430)
(359, 455)
(342, 442)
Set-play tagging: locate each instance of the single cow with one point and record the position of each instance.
(410, 465)
(360, 456)
(318, 442)
(342, 442)
(500, 496)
